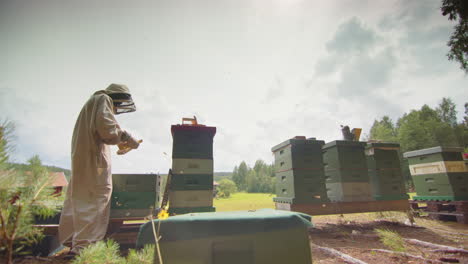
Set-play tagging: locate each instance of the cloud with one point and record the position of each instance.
(421, 33)
(364, 74)
(351, 37)
(363, 63)
(326, 65)
(275, 91)
(260, 72)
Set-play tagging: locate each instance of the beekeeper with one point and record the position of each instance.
(85, 213)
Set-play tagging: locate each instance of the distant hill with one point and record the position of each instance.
(222, 175)
(24, 167)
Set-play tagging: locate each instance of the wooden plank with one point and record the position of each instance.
(445, 213)
(123, 219)
(49, 230)
(345, 207)
(125, 238)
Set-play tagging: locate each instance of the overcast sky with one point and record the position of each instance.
(261, 71)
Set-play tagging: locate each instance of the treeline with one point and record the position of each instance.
(24, 167)
(258, 179)
(424, 128)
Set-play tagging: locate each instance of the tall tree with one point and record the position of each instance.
(423, 129)
(457, 10)
(6, 138)
(446, 112)
(235, 176)
(383, 130)
(257, 179)
(461, 134)
(242, 172)
(259, 166)
(466, 114)
(253, 184)
(461, 130)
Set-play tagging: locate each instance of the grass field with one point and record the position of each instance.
(245, 201)
(248, 201)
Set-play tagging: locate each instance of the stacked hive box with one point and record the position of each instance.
(192, 168)
(438, 174)
(299, 171)
(134, 194)
(346, 173)
(385, 174)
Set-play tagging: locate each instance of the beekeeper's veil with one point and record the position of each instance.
(121, 97)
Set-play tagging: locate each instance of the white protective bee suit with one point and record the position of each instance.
(85, 214)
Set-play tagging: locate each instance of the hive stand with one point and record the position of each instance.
(344, 172)
(444, 210)
(134, 201)
(348, 207)
(123, 230)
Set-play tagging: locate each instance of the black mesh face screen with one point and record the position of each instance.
(120, 96)
(123, 103)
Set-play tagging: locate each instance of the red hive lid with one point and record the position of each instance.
(194, 128)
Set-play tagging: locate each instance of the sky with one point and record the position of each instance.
(261, 71)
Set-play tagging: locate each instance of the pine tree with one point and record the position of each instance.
(446, 112)
(243, 170)
(383, 130)
(22, 196)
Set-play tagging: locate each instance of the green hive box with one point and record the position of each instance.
(438, 173)
(452, 186)
(435, 154)
(333, 175)
(134, 194)
(192, 142)
(385, 174)
(249, 237)
(301, 186)
(178, 199)
(192, 182)
(298, 154)
(346, 175)
(345, 161)
(349, 192)
(299, 171)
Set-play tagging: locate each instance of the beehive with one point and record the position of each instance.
(346, 174)
(192, 141)
(249, 237)
(438, 173)
(192, 167)
(134, 194)
(299, 171)
(385, 174)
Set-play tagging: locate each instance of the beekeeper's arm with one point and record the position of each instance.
(108, 128)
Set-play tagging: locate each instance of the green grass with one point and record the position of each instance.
(391, 239)
(245, 201)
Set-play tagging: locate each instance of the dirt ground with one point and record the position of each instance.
(355, 235)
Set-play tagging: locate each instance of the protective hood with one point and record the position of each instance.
(121, 97)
